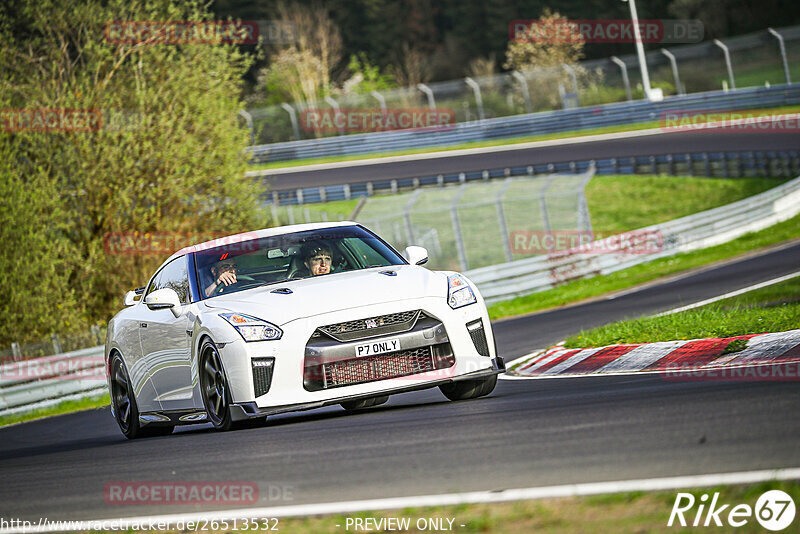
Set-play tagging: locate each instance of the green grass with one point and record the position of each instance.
(623, 203)
(58, 409)
(491, 143)
(612, 514)
(578, 290)
(774, 308)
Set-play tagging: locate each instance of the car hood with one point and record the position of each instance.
(334, 292)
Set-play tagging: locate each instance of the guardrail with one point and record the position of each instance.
(528, 124)
(773, 164)
(704, 229)
(40, 382)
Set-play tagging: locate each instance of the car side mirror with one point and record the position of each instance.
(133, 296)
(164, 298)
(416, 255)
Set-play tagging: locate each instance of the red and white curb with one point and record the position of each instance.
(695, 355)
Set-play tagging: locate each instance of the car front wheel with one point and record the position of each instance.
(216, 391)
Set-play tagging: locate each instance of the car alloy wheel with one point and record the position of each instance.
(126, 412)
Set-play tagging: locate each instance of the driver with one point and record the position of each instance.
(317, 258)
(224, 272)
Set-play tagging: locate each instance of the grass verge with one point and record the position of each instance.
(578, 290)
(610, 513)
(495, 142)
(58, 409)
(774, 308)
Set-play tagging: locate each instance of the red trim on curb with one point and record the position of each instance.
(697, 352)
(600, 358)
(556, 361)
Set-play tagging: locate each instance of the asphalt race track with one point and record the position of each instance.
(663, 143)
(527, 433)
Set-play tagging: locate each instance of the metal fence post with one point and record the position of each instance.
(56, 344)
(274, 210)
(292, 117)
(249, 120)
(15, 351)
(543, 203)
(462, 253)
(675, 75)
(625, 80)
(782, 48)
(501, 218)
(476, 89)
(429, 93)
(381, 100)
(526, 93)
(96, 332)
(727, 62)
(335, 105)
(407, 215)
(584, 218)
(572, 77)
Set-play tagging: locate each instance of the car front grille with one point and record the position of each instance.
(379, 367)
(390, 323)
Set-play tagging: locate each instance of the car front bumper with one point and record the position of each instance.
(289, 356)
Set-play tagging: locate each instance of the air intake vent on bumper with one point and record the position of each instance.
(262, 374)
(478, 336)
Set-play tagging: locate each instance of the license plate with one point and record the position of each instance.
(378, 347)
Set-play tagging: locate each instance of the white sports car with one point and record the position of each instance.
(292, 318)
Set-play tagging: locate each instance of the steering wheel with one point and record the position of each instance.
(238, 286)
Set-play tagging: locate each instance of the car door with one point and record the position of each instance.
(126, 331)
(166, 340)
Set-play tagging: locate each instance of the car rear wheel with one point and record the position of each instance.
(216, 391)
(126, 412)
(469, 389)
(364, 403)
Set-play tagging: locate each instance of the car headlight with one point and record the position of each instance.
(458, 292)
(252, 328)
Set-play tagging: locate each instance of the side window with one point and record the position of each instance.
(364, 252)
(175, 276)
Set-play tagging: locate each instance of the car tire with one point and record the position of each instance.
(469, 389)
(364, 403)
(214, 388)
(126, 411)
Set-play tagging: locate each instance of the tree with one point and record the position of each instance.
(542, 48)
(166, 156)
(302, 71)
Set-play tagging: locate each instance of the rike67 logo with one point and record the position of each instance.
(774, 510)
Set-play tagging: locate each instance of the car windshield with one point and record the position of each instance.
(270, 260)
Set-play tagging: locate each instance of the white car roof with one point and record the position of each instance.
(257, 234)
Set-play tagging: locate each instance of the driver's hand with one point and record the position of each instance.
(227, 278)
